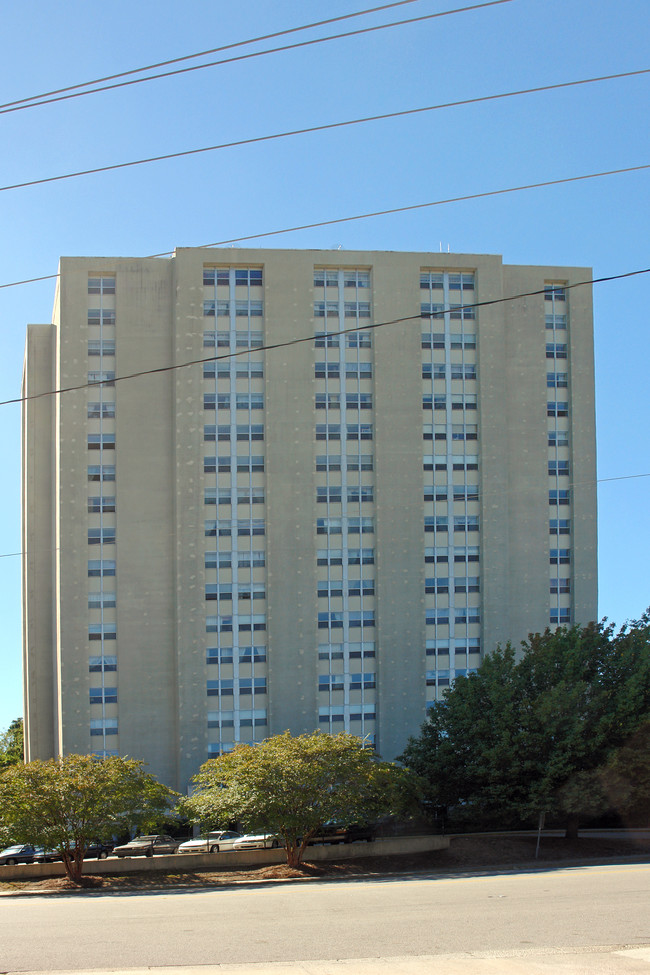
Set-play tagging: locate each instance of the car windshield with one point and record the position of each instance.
(11, 849)
(144, 839)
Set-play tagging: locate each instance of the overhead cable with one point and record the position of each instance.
(321, 128)
(269, 347)
(38, 100)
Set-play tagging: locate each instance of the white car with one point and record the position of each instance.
(215, 842)
(257, 841)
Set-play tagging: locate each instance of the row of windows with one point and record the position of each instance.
(100, 411)
(244, 432)
(456, 370)
(226, 655)
(558, 468)
(351, 309)
(242, 340)
(226, 527)
(101, 441)
(556, 322)
(103, 347)
(326, 278)
(457, 340)
(244, 590)
(253, 464)
(560, 586)
(240, 276)
(459, 401)
(101, 472)
(242, 495)
(244, 685)
(353, 340)
(559, 497)
(460, 492)
(351, 431)
(463, 615)
(101, 536)
(353, 651)
(101, 316)
(101, 600)
(335, 621)
(353, 401)
(459, 553)
(459, 431)
(242, 307)
(248, 718)
(336, 462)
(466, 462)
(455, 311)
(240, 401)
(442, 648)
(461, 523)
(558, 438)
(352, 370)
(103, 695)
(559, 526)
(355, 493)
(241, 560)
(105, 503)
(237, 369)
(434, 281)
(336, 526)
(354, 587)
(353, 556)
(99, 631)
(442, 584)
(226, 624)
(557, 380)
(103, 726)
(105, 664)
(556, 350)
(353, 682)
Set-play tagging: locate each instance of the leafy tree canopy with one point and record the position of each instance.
(292, 786)
(11, 745)
(64, 803)
(534, 732)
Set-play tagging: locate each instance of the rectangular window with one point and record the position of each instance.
(554, 292)
(360, 526)
(101, 567)
(102, 377)
(358, 370)
(558, 468)
(328, 431)
(560, 587)
(101, 316)
(103, 503)
(326, 309)
(97, 600)
(103, 695)
(101, 472)
(560, 556)
(101, 441)
(556, 322)
(561, 616)
(101, 347)
(327, 370)
(328, 401)
(101, 410)
(559, 526)
(105, 664)
(358, 493)
(104, 285)
(558, 438)
(557, 409)
(103, 726)
(358, 431)
(556, 350)
(557, 380)
(101, 536)
(102, 631)
(558, 497)
(358, 401)
(358, 340)
(463, 371)
(357, 309)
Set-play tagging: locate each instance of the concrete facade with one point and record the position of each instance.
(385, 466)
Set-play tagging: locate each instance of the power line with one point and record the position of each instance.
(201, 54)
(378, 213)
(245, 57)
(307, 338)
(323, 128)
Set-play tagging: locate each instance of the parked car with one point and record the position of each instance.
(94, 851)
(257, 841)
(335, 833)
(147, 846)
(215, 842)
(19, 853)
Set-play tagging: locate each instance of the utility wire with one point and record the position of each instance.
(201, 54)
(309, 338)
(376, 213)
(254, 54)
(323, 128)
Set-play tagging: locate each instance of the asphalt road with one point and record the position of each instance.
(567, 910)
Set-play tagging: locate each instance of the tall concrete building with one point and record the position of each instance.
(295, 489)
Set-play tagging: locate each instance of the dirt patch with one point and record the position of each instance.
(466, 854)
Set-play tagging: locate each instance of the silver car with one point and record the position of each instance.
(215, 842)
(147, 846)
(257, 841)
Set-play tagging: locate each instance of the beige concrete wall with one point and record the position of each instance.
(38, 544)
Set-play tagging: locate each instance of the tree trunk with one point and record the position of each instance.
(73, 864)
(571, 828)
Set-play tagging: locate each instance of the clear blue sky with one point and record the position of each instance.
(196, 200)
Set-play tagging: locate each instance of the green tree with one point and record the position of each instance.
(292, 786)
(533, 732)
(62, 804)
(11, 745)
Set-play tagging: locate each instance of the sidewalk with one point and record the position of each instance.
(598, 961)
